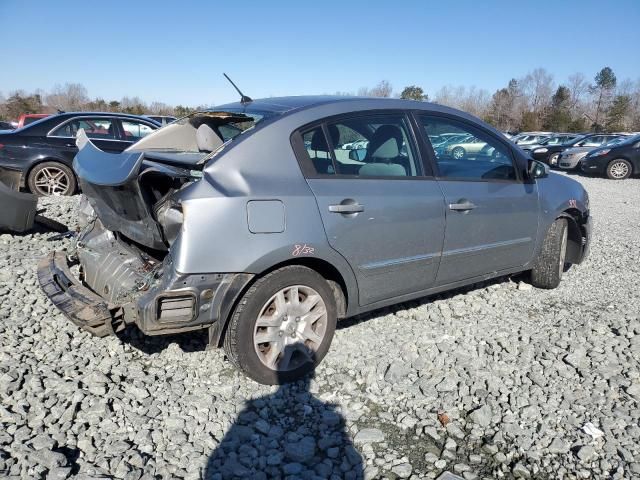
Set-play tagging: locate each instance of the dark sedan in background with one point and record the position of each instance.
(550, 154)
(39, 157)
(617, 161)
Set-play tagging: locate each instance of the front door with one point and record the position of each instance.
(491, 214)
(378, 209)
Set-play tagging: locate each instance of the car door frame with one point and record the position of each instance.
(309, 171)
(423, 173)
(519, 162)
(429, 156)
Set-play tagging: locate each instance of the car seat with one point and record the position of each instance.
(207, 139)
(383, 155)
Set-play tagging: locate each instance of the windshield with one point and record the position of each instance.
(615, 141)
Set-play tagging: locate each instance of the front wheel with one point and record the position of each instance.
(619, 169)
(548, 267)
(282, 326)
(51, 178)
(458, 153)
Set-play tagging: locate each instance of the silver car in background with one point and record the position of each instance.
(251, 222)
(570, 159)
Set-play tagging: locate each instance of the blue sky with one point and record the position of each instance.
(175, 51)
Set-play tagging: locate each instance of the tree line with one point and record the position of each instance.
(73, 97)
(532, 102)
(536, 102)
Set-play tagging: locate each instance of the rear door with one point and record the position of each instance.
(380, 210)
(491, 214)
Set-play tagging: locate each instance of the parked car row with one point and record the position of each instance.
(570, 153)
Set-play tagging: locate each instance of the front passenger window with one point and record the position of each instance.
(469, 153)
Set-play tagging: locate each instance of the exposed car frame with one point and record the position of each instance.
(233, 220)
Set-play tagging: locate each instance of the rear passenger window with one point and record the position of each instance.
(463, 152)
(318, 150)
(95, 128)
(367, 146)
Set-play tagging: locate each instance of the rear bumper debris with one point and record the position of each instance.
(177, 303)
(18, 210)
(83, 307)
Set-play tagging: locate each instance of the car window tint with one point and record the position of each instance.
(135, 130)
(480, 157)
(318, 150)
(95, 128)
(373, 146)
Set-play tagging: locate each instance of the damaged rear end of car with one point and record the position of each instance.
(119, 268)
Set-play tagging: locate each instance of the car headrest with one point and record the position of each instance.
(385, 143)
(207, 139)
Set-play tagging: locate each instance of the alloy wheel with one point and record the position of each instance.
(619, 170)
(290, 328)
(52, 181)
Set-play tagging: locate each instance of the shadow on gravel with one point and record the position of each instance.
(188, 342)
(197, 341)
(393, 309)
(289, 433)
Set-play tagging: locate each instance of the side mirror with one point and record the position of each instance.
(358, 154)
(538, 169)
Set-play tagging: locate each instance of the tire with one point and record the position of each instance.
(51, 178)
(619, 169)
(458, 153)
(549, 265)
(301, 355)
(553, 160)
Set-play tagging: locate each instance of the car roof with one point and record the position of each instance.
(283, 105)
(46, 123)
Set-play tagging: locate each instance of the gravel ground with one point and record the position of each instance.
(529, 383)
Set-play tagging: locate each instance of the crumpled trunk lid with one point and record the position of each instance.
(124, 202)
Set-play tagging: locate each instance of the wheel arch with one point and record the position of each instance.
(575, 234)
(326, 269)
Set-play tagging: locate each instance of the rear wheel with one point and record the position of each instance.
(549, 266)
(283, 326)
(51, 178)
(553, 160)
(619, 169)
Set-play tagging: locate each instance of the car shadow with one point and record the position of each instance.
(289, 433)
(41, 225)
(198, 341)
(446, 295)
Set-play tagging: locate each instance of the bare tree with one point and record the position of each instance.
(383, 89)
(68, 97)
(538, 88)
(578, 86)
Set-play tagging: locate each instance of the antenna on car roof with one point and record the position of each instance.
(243, 98)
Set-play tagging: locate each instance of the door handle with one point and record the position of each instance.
(347, 208)
(69, 144)
(463, 205)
